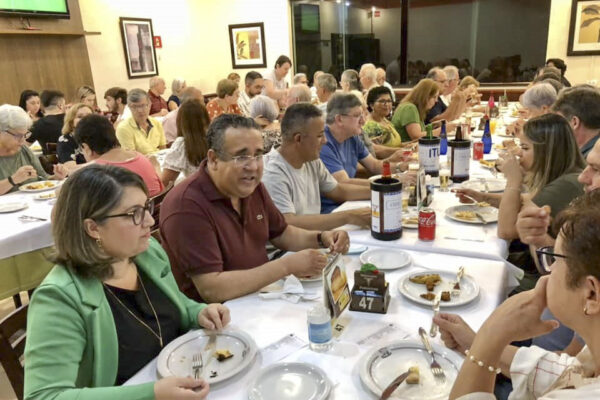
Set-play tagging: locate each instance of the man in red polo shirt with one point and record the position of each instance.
(158, 105)
(216, 223)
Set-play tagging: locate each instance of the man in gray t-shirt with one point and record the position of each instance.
(296, 178)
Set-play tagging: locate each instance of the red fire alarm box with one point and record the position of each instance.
(157, 42)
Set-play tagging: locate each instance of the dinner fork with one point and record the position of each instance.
(29, 218)
(197, 365)
(436, 368)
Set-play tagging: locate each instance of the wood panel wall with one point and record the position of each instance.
(55, 57)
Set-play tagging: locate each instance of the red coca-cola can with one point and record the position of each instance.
(477, 151)
(427, 224)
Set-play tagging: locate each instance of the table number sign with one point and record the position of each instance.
(371, 293)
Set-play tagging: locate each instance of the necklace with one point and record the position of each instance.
(159, 336)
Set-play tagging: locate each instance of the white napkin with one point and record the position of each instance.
(292, 291)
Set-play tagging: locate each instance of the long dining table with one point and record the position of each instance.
(268, 321)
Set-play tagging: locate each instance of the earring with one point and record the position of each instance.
(99, 243)
(585, 312)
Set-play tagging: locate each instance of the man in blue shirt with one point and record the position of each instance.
(344, 149)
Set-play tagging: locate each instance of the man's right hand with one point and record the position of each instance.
(359, 216)
(532, 224)
(24, 173)
(307, 262)
(474, 194)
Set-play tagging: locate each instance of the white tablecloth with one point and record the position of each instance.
(18, 237)
(269, 320)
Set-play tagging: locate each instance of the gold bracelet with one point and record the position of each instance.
(481, 364)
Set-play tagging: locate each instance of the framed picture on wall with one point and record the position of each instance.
(584, 31)
(139, 47)
(247, 43)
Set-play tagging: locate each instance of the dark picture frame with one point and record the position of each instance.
(138, 44)
(584, 29)
(247, 43)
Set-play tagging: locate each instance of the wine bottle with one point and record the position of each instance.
(443, 139)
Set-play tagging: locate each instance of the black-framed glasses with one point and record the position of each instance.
(243, 161)
(384, 102)
(19, 136)
(547, 257)
(359, 116)
(137, 214)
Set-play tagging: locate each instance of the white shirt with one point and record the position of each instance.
(543, 375)
(278, 83)
(244, 103)
(176, 160)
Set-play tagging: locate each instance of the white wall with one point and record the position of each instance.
(194, 34)
(580, 69)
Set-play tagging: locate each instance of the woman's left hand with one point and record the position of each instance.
(509, 165)
(214, 317)
(518, 318)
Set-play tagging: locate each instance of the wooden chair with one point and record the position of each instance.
(48, 161)
(156, 214)
(12, 347)
(50, 148)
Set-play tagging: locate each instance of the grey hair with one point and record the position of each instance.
(13, 118)
(541, 94)
(299, 76)
(296, 117)
(300, 92)
(190, 93)
(155, 80)
(341, 103)
(451, 72)
(370, 71)
(177, 85)
(265, 106)
(136, 95)
(351, 76)
(215, 136)
(432, 73)
(327, 82)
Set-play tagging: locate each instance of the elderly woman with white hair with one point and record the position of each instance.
(536, 101)
(265, 107)
(18, 165)
(177, 87)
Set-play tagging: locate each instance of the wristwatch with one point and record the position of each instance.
(320, 240)
(10, 180)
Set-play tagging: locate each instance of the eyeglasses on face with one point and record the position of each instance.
(138, 213)
(139, 106)
(547, 257)
(384, 102)
(243, 161)
(357, 116)
(19, 136)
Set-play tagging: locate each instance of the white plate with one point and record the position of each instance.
(12, 207)
(410, 225)
(490, 214)
(386, 259)
(469, 289)
(494, 185)
(381, 365)
(43, 184)
(45, 196)
(314, 278)
(290, 381)
(176, 358)
(357, 249)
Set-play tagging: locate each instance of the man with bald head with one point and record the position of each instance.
(368, 77)
(158, 105)
(453, 80)
(296, 94)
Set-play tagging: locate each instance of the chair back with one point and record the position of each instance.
(12, 347)
(50, 148)
(157, 203)
(48, 161)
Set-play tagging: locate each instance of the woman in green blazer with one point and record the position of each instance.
(111, 303)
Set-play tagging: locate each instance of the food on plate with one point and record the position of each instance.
(428, 296)
(413, 376)
(40, 185)
(213, 374)
(47, 196)
(483, 204)
(429, 280)
(223, 354)
(488, 163)
(410, 220)
(445, 296)
(465, 215)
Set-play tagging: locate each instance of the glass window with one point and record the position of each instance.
(496, 41)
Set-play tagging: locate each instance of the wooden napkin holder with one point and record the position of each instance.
(370, 293)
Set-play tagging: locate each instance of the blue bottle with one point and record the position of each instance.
(443, 139)
(487, 138)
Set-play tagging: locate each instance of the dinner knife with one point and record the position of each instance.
(436, 310)
(207, 353)
(480, 217)
(393, 386)
(456, 287)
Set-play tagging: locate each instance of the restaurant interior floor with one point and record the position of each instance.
(6, 307)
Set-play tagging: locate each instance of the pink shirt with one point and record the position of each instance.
(143, 167)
